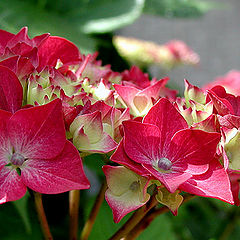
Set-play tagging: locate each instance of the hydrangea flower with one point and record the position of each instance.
(34, 153)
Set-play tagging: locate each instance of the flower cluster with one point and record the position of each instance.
(57, 104)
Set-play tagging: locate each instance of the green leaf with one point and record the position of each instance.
(19, 224)
(107, 15)
(73, 20)
(179, 8)
(160, 228)
(14, 14)
(21, 206)
(104, 226)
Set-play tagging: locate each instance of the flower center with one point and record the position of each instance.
(164, 164)
(17, 159)
(134, 187)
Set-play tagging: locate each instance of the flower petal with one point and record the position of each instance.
(141, 141)
(171, 180)
(38, 132)
(11, 186)
(214, 183)
(11, 92)
(193, 146)
(126, 190)
(166, 117)
(4, 141)
(61, 174)
(55, 48)
(119, 156)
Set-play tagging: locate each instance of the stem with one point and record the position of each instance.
(74, 197)
(92, 217)
(146, 221)
(134, 219)
(42, 216)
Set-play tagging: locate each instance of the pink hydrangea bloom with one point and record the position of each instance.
(165, 148)
(34, 153)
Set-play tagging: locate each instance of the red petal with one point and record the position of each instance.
(119, 156)
(61, 174)
(214, 183)
(11, 92)
(141, 141)
(171, 180)
(164, 115)
(4, 141)
(38, 132)
(4, 38)
(193, 146)
(11, 185)
(55, 48)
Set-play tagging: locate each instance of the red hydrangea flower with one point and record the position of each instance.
(34, 153)
(165, 148)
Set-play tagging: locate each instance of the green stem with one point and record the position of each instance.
(42, 216)
(146, 221)
(92, 217)
(74, 198)
(134, 219)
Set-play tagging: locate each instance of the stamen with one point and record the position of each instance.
(17, 159)
(164, 164)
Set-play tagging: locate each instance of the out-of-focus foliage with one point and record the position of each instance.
(178, 8)
(70, 19)
(77, 19)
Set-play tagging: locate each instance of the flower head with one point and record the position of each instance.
(34, 153)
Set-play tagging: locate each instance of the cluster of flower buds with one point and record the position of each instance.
(57, 104)
(145, 53)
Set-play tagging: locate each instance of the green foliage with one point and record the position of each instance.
(73, 20)
(77, 19)
(19, 221)
(178, 8)
(15, 14)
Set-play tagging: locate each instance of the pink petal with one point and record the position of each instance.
(171, 180)
(11, 92)
(165, 116)
(193, 146)
(229, 121)
(119, 156)
(91, 123)
(214, 183)
(210, 124)
(234, 179)
(154, 90)
(126, 93)
(121, 205)
(121, 198)
(222, 105)
(61, 174)
(141, 141)
(105, 145)
(38, 132)
(11, 185)
(4, 141)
